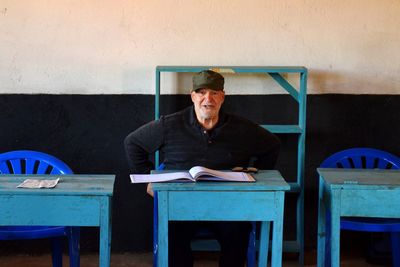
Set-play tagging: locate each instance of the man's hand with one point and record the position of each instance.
(150, 190)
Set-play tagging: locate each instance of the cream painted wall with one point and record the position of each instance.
(113, 46)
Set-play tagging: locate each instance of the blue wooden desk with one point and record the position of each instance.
(354, 193)
(77, 200)
(225, 201)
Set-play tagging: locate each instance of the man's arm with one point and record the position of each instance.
(141, 143)
(267, 160)
(269, 151)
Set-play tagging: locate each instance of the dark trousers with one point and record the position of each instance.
(233, 238)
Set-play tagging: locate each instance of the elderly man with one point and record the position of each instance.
(204, 135)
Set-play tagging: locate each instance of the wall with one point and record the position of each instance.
(112, 47)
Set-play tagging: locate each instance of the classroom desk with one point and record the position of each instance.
(77, 200)
(354, 193)
(225, 201)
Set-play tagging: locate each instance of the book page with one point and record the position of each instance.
(202, 173)
(161, 177)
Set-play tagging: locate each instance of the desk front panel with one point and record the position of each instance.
(230, 206)
(370, 203)
(49, 210)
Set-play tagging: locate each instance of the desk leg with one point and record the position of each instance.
(321, 227)
(162, 229)
(277, 231)
(264, 244)
(105, 232)
(335, 228)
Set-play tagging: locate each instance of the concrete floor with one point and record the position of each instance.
(145, 260)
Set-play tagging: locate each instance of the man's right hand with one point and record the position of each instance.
(150, 190)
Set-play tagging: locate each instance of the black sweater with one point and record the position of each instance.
(182, 142)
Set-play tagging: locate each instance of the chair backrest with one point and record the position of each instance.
(31, 162)
(362, 158)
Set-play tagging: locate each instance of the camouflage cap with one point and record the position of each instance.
(208, 79)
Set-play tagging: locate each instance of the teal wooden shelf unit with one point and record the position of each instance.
(299, 95)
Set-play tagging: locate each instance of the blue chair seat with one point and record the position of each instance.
(370, 224)
(31, 232)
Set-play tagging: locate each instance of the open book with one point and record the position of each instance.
(196, 173)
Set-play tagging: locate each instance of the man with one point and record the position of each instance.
(204, 135)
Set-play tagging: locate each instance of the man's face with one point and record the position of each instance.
(207, 102)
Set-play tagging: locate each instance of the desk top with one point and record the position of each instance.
(266, 180)
(78, 184)
(370, 179)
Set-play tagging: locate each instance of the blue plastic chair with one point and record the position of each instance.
(367, 158)
(251, 250)
(33, 162)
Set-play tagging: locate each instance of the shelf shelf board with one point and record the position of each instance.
(235, 69)
(283, 128)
